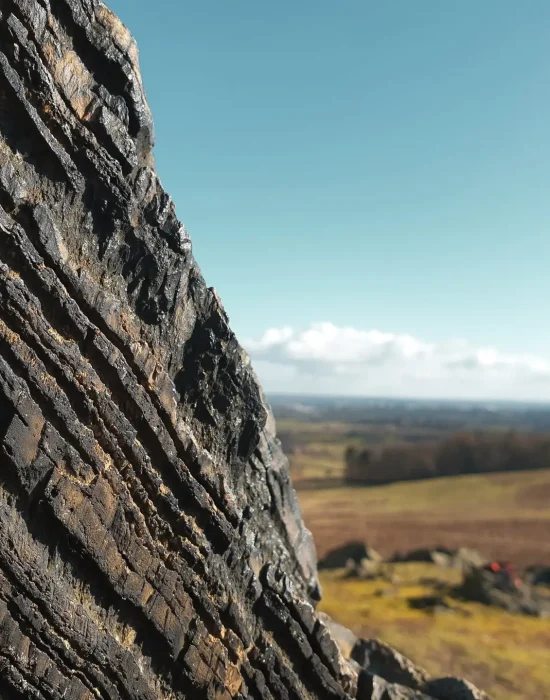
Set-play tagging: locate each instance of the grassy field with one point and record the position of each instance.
(505, 516)
(506, 655)
(318, 448)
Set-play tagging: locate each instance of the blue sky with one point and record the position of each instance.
(368, 167)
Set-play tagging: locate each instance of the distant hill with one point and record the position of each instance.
(447, 415)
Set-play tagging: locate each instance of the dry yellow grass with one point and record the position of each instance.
(506, 655)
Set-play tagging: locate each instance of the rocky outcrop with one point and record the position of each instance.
(151, 545)
(381, 660)
(537, 575)
(464, 558)
(352, 552)
(150, 539)
(500, 589)
(387, 675)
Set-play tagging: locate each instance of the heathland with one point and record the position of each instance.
(505, 515)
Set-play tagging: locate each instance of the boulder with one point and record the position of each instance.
(387, 675)
(500, 589)
(372, 687)
(365, 570)
(454, 689)
(465, 558)
(537, 575)
(461, 558)
(340, 557)
(344, 637)
(151, 543)
(431, 603)
(429, 555)
(379, 659)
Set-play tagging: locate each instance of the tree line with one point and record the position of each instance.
(461, 453)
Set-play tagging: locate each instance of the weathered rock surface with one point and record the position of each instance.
(381, 660)
(150, 540)
(453, 689)
(387, 675)
(151, 545)
(366, 569)
(372, 687)
(344, 637)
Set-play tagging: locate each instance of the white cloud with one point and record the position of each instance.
(328, 344)
(325, 358)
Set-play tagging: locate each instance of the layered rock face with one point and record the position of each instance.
(151, 545)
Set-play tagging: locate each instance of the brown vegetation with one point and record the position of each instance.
(499, 514)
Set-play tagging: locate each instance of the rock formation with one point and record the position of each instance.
(151, 545)
(354, 552)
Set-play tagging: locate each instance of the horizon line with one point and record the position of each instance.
(376, 397)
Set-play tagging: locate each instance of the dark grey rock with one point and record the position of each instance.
(454, 689)
(502, 590)
(344, 637)
(537, 575)
(434, 555)
(379, 659)
(372, 687)
(354, 552)
(151, 543)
